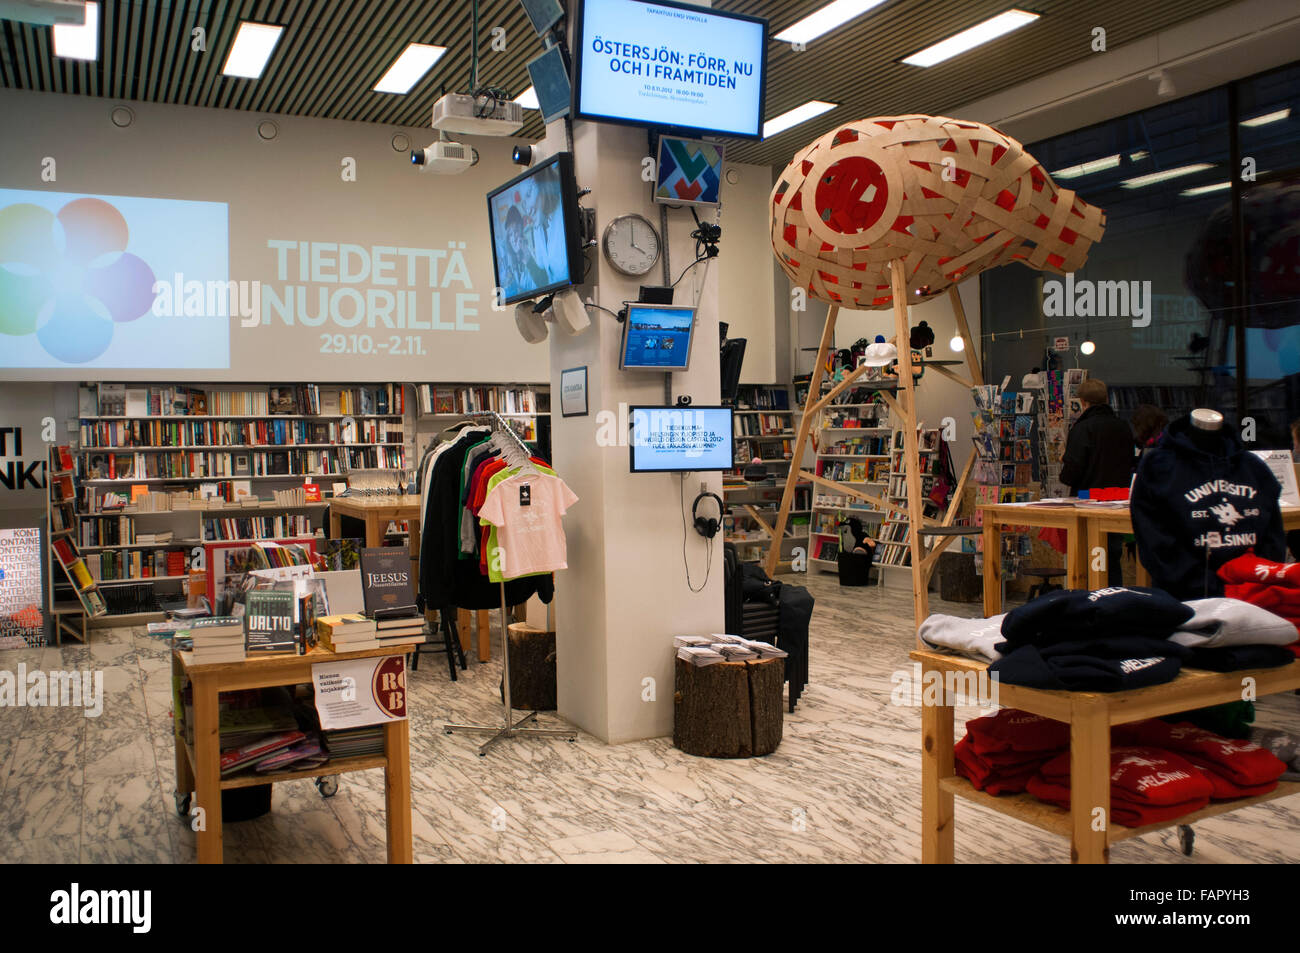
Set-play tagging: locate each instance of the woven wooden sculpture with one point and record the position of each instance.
(948, 197)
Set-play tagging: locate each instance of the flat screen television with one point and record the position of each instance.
(688, 172)
(657, 337)
(543, 14)
(536, 247)
(672, 65)
(680, 439)
(550, 75)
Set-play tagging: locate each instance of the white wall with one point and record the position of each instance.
(292, 188)
(746, 270)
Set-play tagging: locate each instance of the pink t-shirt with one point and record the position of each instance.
(526, 509)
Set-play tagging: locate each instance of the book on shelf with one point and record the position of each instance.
(236, 759)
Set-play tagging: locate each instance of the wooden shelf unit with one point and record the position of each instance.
(69, 616)
(1090, 716)
(750, 509)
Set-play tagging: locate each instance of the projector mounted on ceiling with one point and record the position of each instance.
(481, 115)
(44, 12)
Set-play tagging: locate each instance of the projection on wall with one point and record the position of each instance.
(112, 281)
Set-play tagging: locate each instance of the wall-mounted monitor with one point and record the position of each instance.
(671, 65)
(688, 172)
(536, 248)
(680, 439)
(657, 337)
(550, 76)
(543, 14)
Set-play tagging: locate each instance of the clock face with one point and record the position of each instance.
(631, 244)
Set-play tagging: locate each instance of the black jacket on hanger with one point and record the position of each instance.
(1201, 499)
(446, 580)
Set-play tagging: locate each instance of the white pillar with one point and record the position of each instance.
(625, 595)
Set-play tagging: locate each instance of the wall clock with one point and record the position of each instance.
(631, 245)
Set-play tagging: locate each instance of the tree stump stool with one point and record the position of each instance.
(532, 668)
(728, 709)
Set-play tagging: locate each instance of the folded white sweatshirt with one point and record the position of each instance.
(974, 638)
(1221, 622)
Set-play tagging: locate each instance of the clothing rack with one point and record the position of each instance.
(509, 728)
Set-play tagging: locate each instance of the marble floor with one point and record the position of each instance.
(842, 787)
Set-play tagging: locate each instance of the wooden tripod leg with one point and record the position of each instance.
(972, 357)
(796, 457)
(911, 455)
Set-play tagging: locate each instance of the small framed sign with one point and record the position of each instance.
(573, 392)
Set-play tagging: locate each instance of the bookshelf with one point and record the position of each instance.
(763, 431)
(526, 408)
(895, 530)
(165, 468)
(851, 439)
(73, 593)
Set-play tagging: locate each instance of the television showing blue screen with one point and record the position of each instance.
(657, 337)
(672, 65)
(535, 243)
(680, 439)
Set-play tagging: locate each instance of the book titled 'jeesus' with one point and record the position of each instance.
(386, 584)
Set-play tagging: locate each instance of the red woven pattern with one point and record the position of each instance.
(950, 198)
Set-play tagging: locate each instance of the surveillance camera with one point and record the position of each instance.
(522, 155)
(444, 157)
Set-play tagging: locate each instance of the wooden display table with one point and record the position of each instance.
(995, 516)
(1090, 716)
(377, 512)
(198, 769)
(1085, 527)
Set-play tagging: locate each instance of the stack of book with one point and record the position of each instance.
(400, 630)
(217, 639)
(388, 592)
(346, 633)
(355, 742)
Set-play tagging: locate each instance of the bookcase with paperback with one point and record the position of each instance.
(762, 439)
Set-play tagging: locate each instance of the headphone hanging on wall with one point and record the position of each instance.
(706, 526)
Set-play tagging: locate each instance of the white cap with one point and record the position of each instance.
(880, 354)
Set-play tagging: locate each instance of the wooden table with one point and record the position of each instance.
(1086, 529)
(1090, 716)
(198, 769)
(997, 515)
(377, 512)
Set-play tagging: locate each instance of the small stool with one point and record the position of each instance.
(1045, 584)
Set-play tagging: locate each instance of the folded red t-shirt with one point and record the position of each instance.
(1249, 568)
(1011, 729)
(1225, 790)
(1144, 775)
(1122, 811)
(1243, 763)
(1004, 778)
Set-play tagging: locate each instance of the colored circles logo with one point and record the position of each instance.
(67, 277)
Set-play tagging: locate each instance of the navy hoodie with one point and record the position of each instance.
(1201, 499)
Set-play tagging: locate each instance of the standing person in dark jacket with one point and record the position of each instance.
(1099, 453)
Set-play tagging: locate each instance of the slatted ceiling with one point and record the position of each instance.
(857, 65)
(333, 51)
